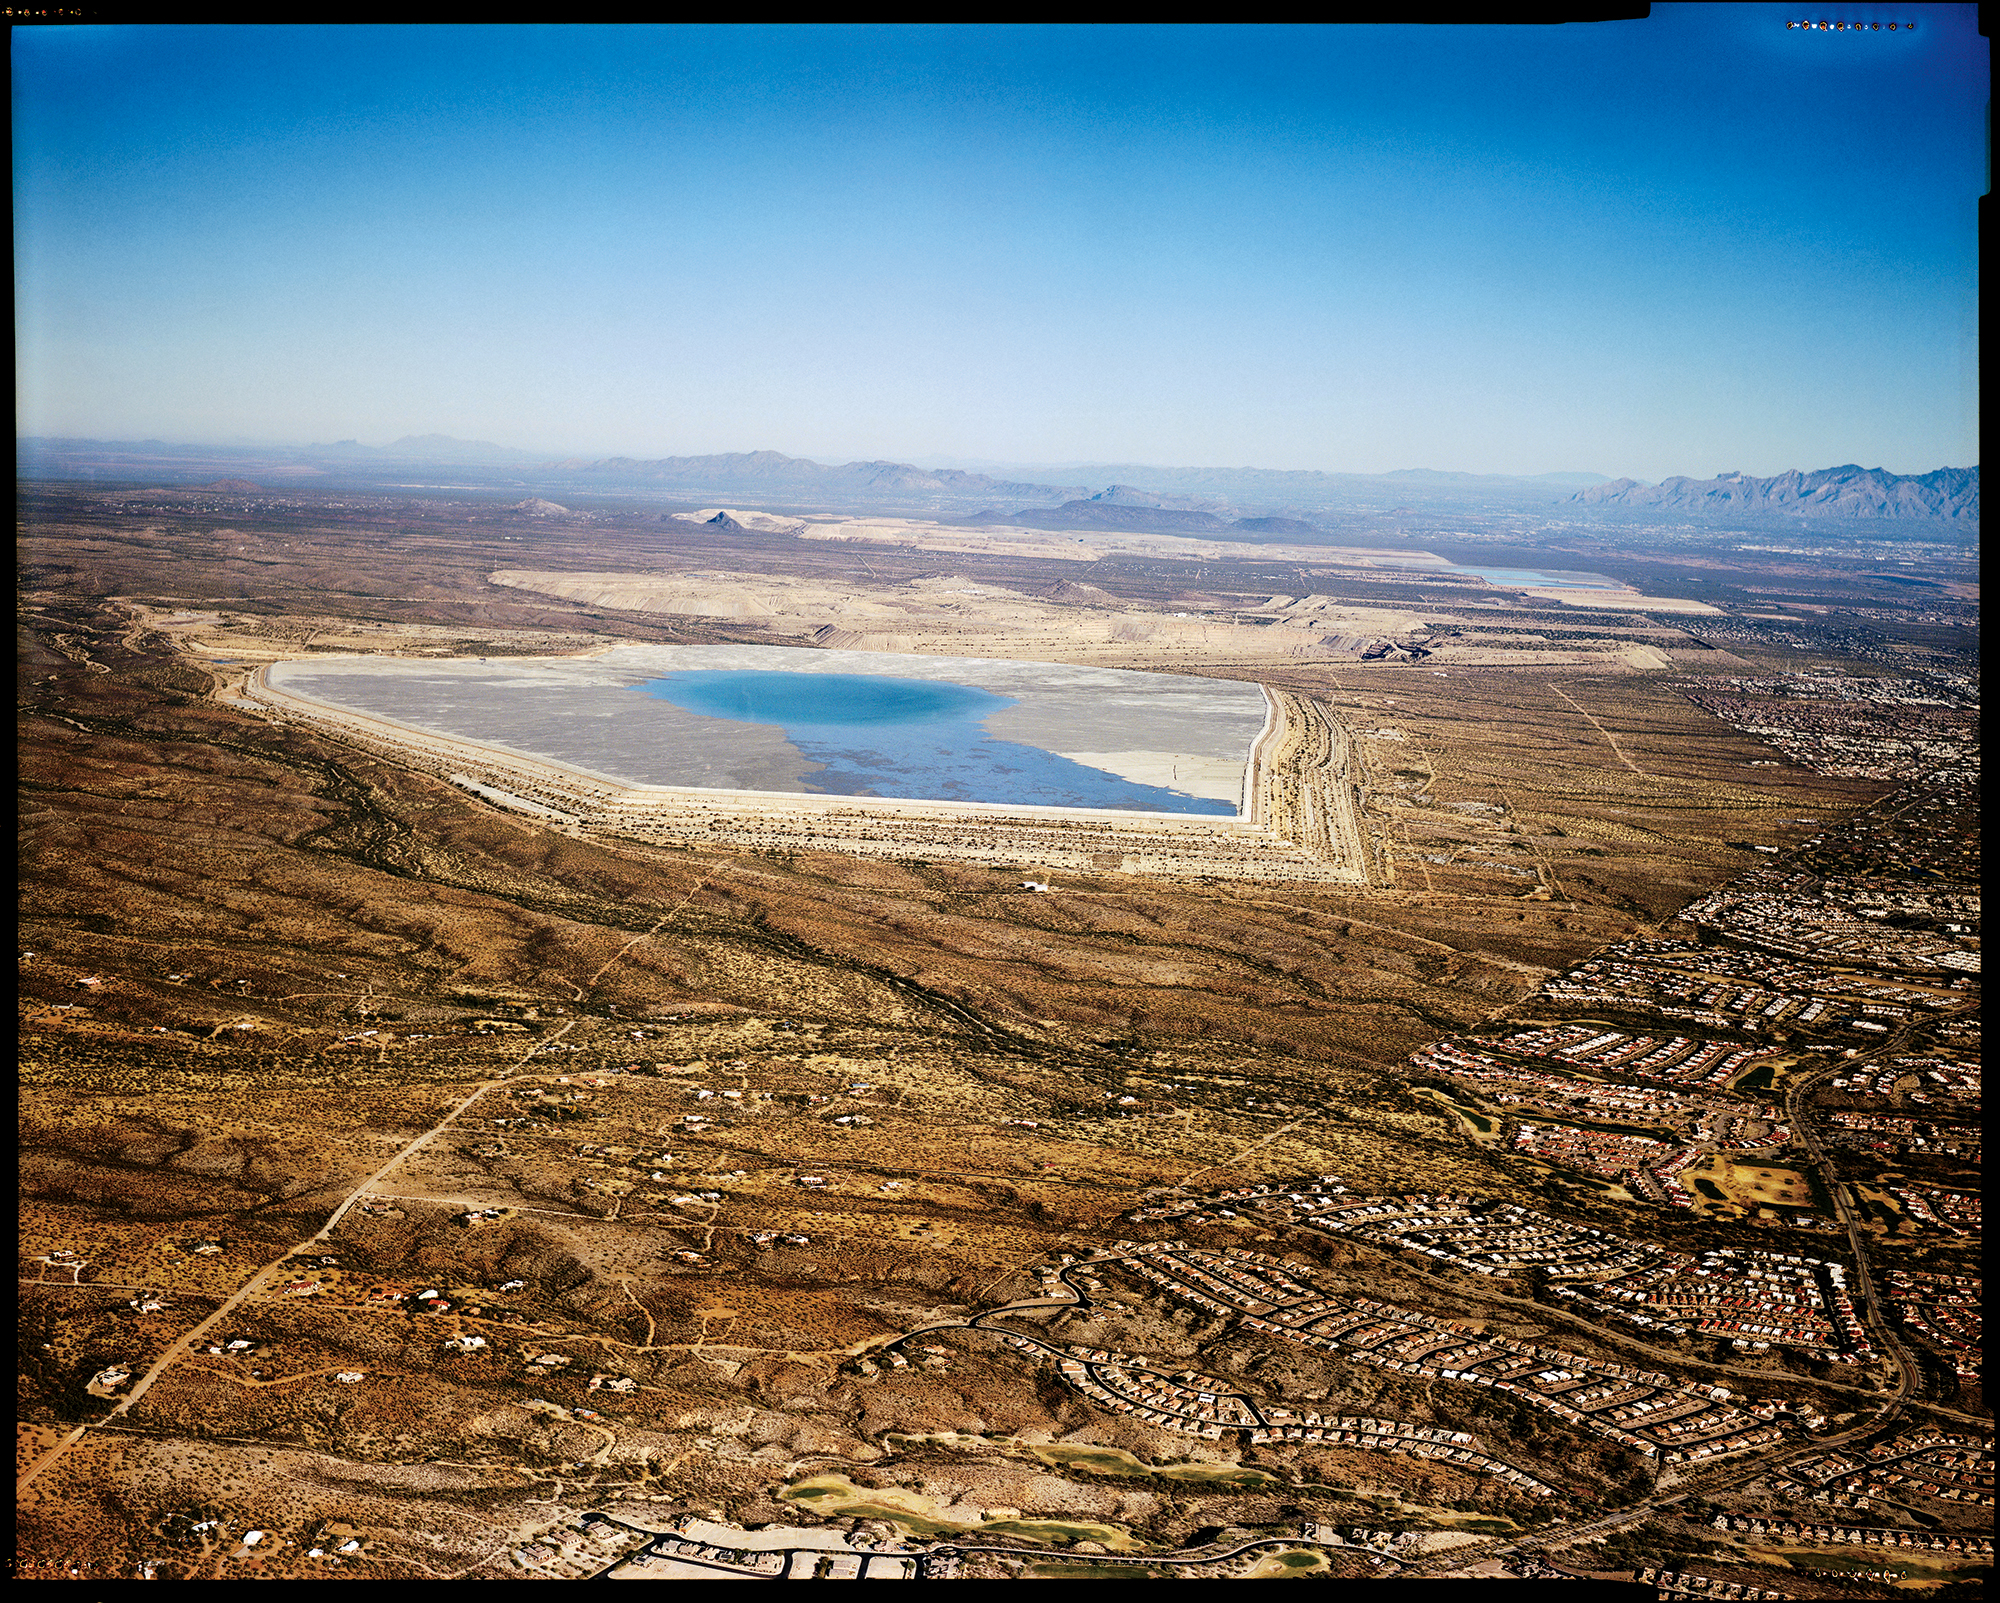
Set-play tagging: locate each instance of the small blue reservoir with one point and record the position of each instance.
(913, 739)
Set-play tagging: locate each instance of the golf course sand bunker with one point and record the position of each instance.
(764, 718)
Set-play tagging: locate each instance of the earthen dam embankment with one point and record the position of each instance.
(1300, 823)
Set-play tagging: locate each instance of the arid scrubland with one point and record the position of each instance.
(752, 1114)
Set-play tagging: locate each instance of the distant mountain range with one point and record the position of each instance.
(774, 473)
(1131, 511)
(1123, 507)
(1298, 492)
(1231, 502)
(1951, 494)
(1196, 479)
(431, 448)
(428, 448)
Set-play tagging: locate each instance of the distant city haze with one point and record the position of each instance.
(1689, 245)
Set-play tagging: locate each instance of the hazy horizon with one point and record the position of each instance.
(1682, 246)
(989, 467)
(1039, 472)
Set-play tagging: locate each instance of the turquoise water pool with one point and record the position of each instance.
(916, 739)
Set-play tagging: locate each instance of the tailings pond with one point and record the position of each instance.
(832, 723)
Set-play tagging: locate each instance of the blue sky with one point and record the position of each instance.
(1690, 244)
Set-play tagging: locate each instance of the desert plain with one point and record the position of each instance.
(403, 1115)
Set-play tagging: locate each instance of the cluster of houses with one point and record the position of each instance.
(1926, 830)
(1694, 1061)
(1221, 1282)
(591, 1540)
(1203, 1406)
(1885, 999)
(1661, 1182)
(1838, 1485)
(1952, 1467)
(1916, 1541)
(1473, 1061)
(1731, 962)
(1784, 932)
(1252, 1195)
(65, 1260)
(1949, 1309)
(1707, 1125)
(1685, 1583)
(1672, 994)
(1693, 1452)
(1891, 1133)
(1390, 1436)
(1644, 1410)
(1932, 992)
(236, 1347)
(772, 1565)
(1648, 1414)
(1846, 726)
(1801, 916)
(1194, 1405)
(1957, 1213)
(1757, 1299)
(1478, 1236)
(1938, 1078)
(552, 1363)
(1752, 1297)
(1598, 1152)
(700, 1549)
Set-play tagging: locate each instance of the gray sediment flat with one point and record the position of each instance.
(588, 712)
